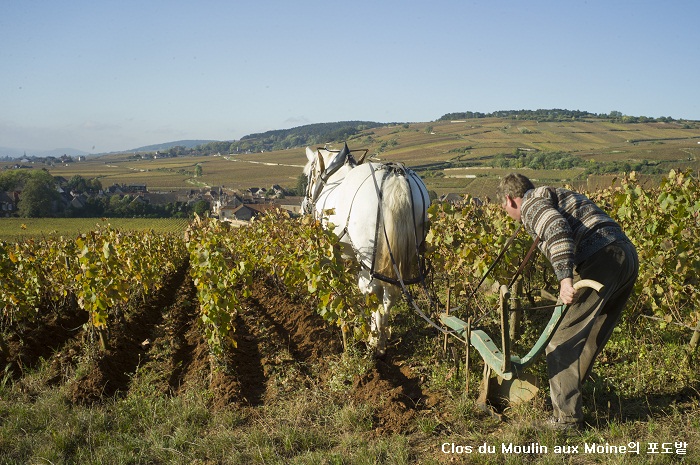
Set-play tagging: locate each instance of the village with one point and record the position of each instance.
(225, 204)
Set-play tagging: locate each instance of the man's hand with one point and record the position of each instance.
(567, 293)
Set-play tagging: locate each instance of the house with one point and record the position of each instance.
(257, 192)
(291, 204)
(245, 212)
(79, 201)
(455, 199)
(226, 202)
(239, 213)
(276, 191)
(8, 203)
(115, 189)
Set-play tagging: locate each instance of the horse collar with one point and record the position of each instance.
(338, 162)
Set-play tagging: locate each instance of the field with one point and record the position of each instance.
(12, 229)
(426, 146)
(288, 393)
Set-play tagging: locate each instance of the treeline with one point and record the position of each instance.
(565, 160)
(42, 196)
(554, 115)
(131, 206)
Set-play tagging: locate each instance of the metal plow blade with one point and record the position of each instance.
(497, 394)
(514, 391)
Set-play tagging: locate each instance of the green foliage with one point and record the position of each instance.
(297, 252)
(102, 269)
(555, 114)
(82, 185)
(39, 197)
(220, 278)
(663, 224)
(539, 115)
(464, 241)
(565, 160)
(14, 179)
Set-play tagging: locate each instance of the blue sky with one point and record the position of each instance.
(103, 76)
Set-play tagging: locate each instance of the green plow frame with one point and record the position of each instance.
(505, 380)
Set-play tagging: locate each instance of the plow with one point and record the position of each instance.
(506, 381)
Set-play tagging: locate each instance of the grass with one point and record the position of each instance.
(317, 424)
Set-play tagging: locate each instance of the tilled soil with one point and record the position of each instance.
(277, 337)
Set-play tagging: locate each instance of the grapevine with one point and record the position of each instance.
(101, 270)
(662, 222)
(296, 252)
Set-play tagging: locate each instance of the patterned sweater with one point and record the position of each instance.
(570, 226)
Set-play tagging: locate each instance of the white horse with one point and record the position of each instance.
(368, 203)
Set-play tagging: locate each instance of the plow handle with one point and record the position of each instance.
(588, 283)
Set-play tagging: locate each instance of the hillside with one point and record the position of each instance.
(188, 144)
(459, 156)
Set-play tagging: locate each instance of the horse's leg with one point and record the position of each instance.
(377, 338)
(380, 317)
(390, 295)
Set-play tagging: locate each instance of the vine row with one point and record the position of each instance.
(101, 269)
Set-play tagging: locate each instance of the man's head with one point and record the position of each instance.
(510, 193)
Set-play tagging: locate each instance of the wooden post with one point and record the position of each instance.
(695, 339)
(344, 333)
(505, 328)
(466, 357)
(516, 313)
(103, 336)
(4, 350)
(447, 311)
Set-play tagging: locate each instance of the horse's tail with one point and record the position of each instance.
(398, 222)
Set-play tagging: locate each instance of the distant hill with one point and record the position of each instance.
(280, 139)
(188, 144)
(459, 153)
(310, 134)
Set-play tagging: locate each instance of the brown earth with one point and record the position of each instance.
(277, 338)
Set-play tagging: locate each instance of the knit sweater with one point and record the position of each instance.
(570, 226)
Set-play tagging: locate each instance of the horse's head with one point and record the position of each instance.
(320, 166)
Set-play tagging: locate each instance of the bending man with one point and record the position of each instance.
(581, 242)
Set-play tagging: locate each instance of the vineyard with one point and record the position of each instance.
(228, 328)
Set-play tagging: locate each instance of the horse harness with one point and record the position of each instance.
(345, 157)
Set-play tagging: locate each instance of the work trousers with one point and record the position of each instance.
(588, 324)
